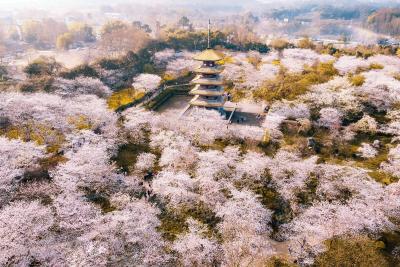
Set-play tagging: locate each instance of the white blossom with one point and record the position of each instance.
(367, 151)
(81, 85)
(146, 82)
(330, 118)
(195, 249)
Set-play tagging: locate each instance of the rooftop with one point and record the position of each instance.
(208, 55)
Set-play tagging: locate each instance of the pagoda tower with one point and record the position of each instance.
(208, 91)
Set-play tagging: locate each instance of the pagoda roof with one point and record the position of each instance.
(200, 90)
(210, 103)
(209, 70)
(208, 55)
(207, 81)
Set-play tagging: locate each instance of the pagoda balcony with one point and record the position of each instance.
(209, 70)
(201, 80)
(204, 91)
(202, 101)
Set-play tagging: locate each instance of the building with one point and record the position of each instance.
(208, 90)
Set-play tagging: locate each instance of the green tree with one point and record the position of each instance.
(184, 23)
(82, 32)
(64, 41)
(306, 43)
(112, 26)
(43, 66)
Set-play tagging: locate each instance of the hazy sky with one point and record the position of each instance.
(70, 3)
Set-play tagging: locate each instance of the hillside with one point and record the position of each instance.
(386, 21)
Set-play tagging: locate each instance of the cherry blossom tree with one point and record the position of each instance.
(350, 203)
(146, 82)
(162, 57)
(122, 237)
(366, 124)
(295, 59)
(367, 151)
(245, 230)
(393, 127)
(289, 173)
(89, 166)
(64, 114)
(336, 93)
(195, 249)
(346, 64)
(176, 189)
(393, 164)
(330, 118)
(81, 85)
(246, 75)
(379, 90)
(145, 162)
(24, 232)
(16, 157)
(282, 110)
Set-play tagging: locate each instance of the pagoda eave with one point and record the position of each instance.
(207, 92)
(207, 81)
(209, 70)
(202, 102)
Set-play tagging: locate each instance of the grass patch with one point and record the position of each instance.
(99, 199)
(358, 251)
(80, 122)
(269, 198)
(287, 85)
(383, 177)
(127, 154)
(173, 222)
(124, 97)
(41, 134)
(236, 94)
(341, 153)
(306, 196)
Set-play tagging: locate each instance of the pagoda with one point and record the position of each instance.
(208, 90)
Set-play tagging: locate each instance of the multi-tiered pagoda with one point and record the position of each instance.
(208, 90)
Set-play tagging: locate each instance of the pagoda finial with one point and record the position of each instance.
(209, 33)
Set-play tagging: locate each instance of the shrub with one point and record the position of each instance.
(43, 66)
(375, 66)
(357, 80)
(279, 44)
(37, 84)
(82, 70)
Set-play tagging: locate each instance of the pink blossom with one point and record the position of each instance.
(146, 82)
